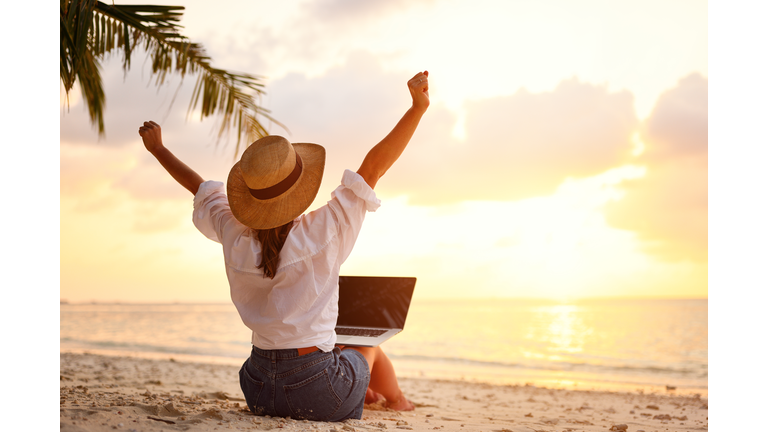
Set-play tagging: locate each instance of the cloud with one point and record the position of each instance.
(84, 171)
(114, 183)
(516, 146)
(160, 216)
(347, 110)
(130, 98)
(677, 126)
(314, 36)
(526, 144)
(668, 207)
(346, 10)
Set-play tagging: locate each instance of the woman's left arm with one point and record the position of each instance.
(153, 140)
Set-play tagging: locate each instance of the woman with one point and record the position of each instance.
(283, 267)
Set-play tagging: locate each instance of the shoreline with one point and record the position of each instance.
(100, 393)
(554, 379)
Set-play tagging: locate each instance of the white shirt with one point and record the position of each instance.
(299, 307)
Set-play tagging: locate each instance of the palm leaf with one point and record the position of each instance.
(77, 62)
(91, 29)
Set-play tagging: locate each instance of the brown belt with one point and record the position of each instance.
(303, 351)
(307, 350)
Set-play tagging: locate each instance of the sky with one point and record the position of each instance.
(564, 154)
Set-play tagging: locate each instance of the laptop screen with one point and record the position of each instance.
(366, 301)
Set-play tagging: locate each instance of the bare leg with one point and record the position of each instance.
(383, 379)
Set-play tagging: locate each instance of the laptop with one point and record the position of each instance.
(372, 309)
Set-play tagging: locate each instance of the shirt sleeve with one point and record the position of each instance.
(349, 203)
(211, 210)
(355, 182)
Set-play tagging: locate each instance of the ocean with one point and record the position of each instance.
(653, 346)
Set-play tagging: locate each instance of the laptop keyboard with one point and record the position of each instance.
(360, 332)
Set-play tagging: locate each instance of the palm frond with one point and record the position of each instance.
(99, 29)
(77, 62)
(89, 77)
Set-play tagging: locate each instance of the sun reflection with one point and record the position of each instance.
(564, 329)
(561, 329)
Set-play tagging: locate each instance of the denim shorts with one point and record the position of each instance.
(316, 386)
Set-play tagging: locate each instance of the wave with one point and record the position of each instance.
(232, 352)
(694, 371)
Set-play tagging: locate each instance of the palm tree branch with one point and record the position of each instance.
(217, 91)
(98, 28)
(77, 61)
(91, 87)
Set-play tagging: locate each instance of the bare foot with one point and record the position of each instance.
(402, 404)
(372, 397)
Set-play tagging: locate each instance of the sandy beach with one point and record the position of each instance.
(103, 393)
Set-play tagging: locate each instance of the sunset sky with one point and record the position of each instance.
(564, 154)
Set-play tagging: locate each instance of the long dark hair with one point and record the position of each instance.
(272, 241)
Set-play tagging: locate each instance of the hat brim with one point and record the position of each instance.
(277, 211)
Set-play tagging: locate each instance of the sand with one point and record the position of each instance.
(103, 393)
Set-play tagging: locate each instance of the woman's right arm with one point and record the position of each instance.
(152, 136)
(384, 154)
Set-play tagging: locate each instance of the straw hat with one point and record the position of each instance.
(274, 181)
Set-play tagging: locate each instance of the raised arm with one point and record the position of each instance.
(384, 154)
(153, 140)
